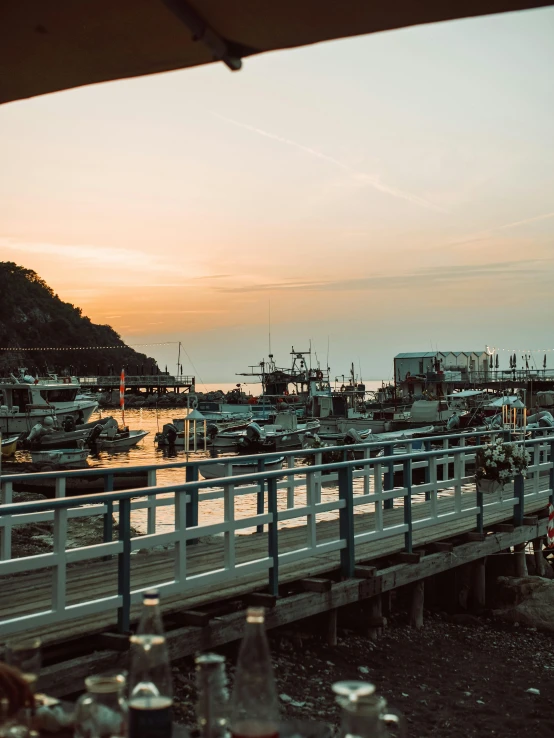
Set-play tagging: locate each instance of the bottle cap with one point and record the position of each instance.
(255, 615)
(151, 594)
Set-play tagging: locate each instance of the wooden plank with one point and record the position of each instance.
(364, 572)
(192, 617)
(503, 527)
(261, 599)
(410, 558)
(437, 546)
(530, 519)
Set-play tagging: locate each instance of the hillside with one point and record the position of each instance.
(32, 316)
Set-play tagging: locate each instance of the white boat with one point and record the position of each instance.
(60, 456)
(122, 441)
(24, 400)
(232, 466)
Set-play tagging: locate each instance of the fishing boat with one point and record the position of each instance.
(24, 400)
(231, 467)
(9, 446)
(60, 457)
(122, 441)
(284, 433)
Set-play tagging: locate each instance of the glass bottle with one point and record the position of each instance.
(150, 688)
(213, 696)
(364, 713)
(254, 703)
(101, 712)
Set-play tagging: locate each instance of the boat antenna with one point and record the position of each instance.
(269, 325)
(327, 353)
(179, 359)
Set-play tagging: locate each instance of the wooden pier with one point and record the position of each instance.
(148, 383)
(325, 536)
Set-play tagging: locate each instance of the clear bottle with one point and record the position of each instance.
(254, 702)
(150, 688)
(364, 713)
(101, 712)
(213, 696)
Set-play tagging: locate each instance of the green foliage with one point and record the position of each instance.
(31, 315)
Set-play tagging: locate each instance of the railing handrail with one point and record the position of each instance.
(192, 486)
(109, 471)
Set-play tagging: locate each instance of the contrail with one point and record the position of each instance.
(505, 227)
(369, 179)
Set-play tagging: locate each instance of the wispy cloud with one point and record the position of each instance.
(360, 178)
(504, 227)
(416, 279)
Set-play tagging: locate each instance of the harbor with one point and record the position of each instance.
(276, 384)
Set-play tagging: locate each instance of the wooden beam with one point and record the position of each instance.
(261, 599)
(316, 585)
(530, 519)
(520, 559)
(540, 564)
(113, 641)
(332, 627)
(410, 558)
(503, 528)
(192, 617)
(475, 536)
(479, 584)
(365, 572)
(375, 623)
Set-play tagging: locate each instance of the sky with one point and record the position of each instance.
(391, 192)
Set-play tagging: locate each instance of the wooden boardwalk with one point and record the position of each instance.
(27, 593)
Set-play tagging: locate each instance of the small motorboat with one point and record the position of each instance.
(60, 456)
(122, 441)
(9, 446)
(231, 467)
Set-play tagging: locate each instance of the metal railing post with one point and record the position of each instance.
(427, 471)
(346, 522)
(389, 477)
(124, 567)
(479, 503)
(260, 495)
(407, 473)
(519, 492)
(108, 515)
(273, 537)
(192, 508)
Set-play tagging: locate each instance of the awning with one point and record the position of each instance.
(49, 45)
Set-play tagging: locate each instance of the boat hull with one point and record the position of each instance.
(233, 467)
(121, 444)
(9, 447)
(12, 423)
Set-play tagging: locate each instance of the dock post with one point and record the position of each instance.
(376, 621)
(520, 560)
(540, 565)
(479, 494)
(124, 567)
(108, 515)
(418, 599)
(192, 508)
(272, 537)
(479, 584)
(260, 496)
(346, 522)
(407, 472)
(389, 477)
(332, 627)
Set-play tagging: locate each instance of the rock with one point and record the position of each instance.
(363, 669)
(529, 601)
(285, 698)
(532, 690)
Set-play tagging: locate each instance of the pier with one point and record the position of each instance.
(149, 383)
(314, 539)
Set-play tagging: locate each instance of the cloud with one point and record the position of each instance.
(360, 178)
(417, 278)
(506, 226)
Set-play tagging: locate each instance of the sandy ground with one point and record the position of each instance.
(448, 680)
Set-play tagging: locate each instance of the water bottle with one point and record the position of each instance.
(150, 689)
(254, 703)
(211, 704)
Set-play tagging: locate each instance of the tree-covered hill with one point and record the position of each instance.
(32, 316)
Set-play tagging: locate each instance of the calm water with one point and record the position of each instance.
(147, 452)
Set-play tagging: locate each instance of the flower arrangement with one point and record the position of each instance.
(500, 462)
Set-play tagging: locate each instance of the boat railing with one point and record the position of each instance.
(295, 494)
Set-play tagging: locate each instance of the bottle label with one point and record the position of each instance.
(150, 722)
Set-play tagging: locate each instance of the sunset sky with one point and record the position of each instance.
(387, 193)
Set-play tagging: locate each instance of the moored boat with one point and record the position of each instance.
(232, 466)
(9, 446)
(60, 457)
